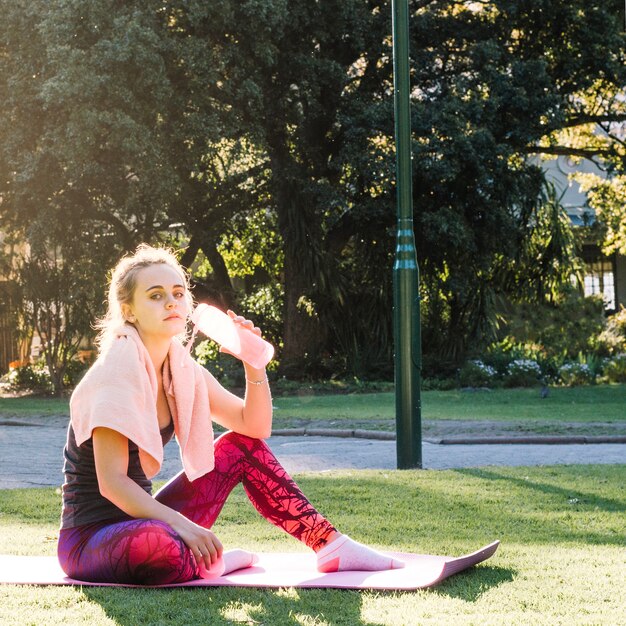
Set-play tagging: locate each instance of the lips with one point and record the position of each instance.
(173, 317)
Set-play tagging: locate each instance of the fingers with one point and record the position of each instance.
(242, 321)
(208, 552)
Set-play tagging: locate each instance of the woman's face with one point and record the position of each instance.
(159, 308)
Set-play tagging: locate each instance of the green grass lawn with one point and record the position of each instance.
(578, 404)
(33, 406)
(601, 403)
(561, 560)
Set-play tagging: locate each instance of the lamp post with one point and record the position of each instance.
(407, 335)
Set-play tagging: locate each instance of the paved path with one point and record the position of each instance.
(31, 456)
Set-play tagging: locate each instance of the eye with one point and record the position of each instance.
(179, 295)
(155, 296)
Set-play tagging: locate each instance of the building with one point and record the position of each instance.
(603, 275)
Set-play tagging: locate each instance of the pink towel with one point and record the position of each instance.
(120, 391)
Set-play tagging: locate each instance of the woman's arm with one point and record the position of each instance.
(110, 450)
(251, 416)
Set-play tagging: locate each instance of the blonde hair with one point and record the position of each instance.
(123, 283)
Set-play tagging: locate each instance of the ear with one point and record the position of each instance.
(127, 312)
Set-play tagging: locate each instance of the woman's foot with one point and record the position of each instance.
(344, 554)
(238, 559)
(230, 561)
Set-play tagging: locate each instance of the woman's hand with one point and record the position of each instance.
(203, 543)
(245, 323)
(111, 459)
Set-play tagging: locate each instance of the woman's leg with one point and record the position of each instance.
(135, 551)
(241, 459)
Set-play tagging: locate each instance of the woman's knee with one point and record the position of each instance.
(233, 440)
(156, 555)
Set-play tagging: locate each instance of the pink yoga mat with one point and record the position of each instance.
(273, 570)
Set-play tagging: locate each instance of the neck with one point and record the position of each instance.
(157, 349)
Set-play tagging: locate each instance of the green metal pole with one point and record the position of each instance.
(407, 335)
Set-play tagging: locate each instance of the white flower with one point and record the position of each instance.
(527, 366)
(485, 369)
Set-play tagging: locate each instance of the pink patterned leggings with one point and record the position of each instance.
(148, 551)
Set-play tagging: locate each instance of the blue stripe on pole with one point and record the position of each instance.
(405, 265)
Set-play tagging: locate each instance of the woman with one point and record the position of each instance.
(143, 388)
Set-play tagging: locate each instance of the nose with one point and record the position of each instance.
(170, 304)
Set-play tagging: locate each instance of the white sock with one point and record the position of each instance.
(238, 559)
(344, 554)
(230, 562)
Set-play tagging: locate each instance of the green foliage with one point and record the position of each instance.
(35, 377)
(224, 367)
(489, 86)
(612, 340)
(608, 198)
(477, 374)
(260, 135)
(573, 374)
(522, 373)
(615, 369)
(264, 306)
(560, 330)
(59, 299)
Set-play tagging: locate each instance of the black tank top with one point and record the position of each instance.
(82, 501)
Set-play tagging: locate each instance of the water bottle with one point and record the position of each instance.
(241, 341)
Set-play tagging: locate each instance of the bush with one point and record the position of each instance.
(74, 371)
(615, 369)
(612, 340)
(224, 367)
(28, 377)
(477, 374)
(522, 373)
(560, 331)
(438, 384)
(574, 374)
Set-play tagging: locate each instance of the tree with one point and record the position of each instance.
(287, 77)
(57, 303)
(493, 81)
(200, 122)
(312, 85)
(85, 172)
(84, 138)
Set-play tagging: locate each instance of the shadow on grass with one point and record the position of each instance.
(236, 605)
(472, 583)
(226, 605)
(570, 494)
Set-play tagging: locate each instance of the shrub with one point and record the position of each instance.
(573, 374)
(612, 340)
(502, 353)
(615, 370)
(74, 372)
(438, 384)
(522, 373)
(225, 368)
(561, 330)
(28, 377)
(477, 374)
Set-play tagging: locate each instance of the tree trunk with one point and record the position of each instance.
(302, 334)
(303, 274)
(221, 279)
